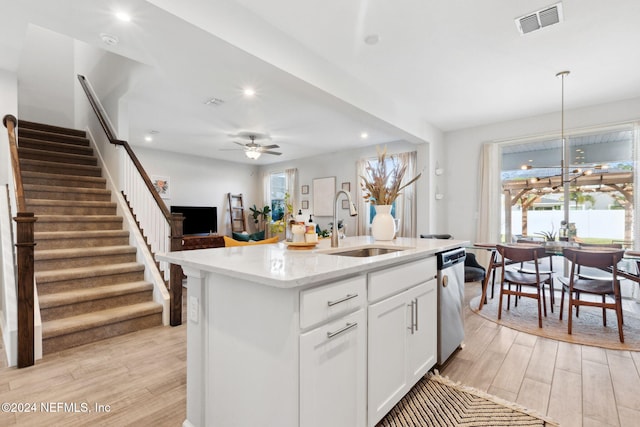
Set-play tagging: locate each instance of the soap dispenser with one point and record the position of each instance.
(311, 227)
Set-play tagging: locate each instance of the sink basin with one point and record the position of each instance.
(366, 252)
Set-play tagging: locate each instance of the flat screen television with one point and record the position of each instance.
(198, 220)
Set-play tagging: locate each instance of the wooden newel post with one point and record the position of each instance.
(175, 272)
(25, 246)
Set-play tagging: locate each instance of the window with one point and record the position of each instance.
(597, 188)
(278, 188)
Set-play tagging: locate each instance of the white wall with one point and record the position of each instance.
(342, 165)
(97, 66)
(8, 105)
(200, 181)
(46, 78)
(463, 148)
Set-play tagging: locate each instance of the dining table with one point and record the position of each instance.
(552, 248)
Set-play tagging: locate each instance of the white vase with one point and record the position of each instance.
(383, 226)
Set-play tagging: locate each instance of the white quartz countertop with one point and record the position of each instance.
(280, 266)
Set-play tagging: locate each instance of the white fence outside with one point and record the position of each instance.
(608, 224)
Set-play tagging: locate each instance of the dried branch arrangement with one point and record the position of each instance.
(382, 186)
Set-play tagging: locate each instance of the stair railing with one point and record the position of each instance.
(161, 228)
(24, 259)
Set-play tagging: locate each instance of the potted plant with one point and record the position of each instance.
(260, 216)
(381, 186)
(548, 236)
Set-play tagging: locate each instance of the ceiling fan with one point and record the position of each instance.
(252, 149)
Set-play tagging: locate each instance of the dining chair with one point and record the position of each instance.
(595, 274)
(577, 286)
(523, 282)
(527, 268)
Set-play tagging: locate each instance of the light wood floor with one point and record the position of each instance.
(573, 384)
(142, 377)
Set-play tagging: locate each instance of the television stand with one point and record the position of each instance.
(198, 241)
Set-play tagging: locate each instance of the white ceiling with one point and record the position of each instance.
(440, 65)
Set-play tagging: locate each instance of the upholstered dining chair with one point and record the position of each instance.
(577, 286)
(522, 282)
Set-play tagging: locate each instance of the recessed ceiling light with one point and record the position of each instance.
(123, 16)
(249, 92)
(372, 39)
(148, 138)
(109, 39)
(364, 135)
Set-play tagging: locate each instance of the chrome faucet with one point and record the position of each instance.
(352, 212)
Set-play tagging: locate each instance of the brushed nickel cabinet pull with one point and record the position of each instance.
(343, 299)
(345, 328)
(413, 317)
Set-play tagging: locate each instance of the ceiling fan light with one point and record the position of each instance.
(252, 154)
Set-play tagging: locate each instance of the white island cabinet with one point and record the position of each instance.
(307, 338)
(402, 332)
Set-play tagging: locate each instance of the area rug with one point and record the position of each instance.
(438, 401)
(587, 328)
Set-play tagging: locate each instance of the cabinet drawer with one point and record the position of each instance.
(390, 281)
(333, 373)
(325, 302)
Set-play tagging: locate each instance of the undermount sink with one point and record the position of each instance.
(366, 252)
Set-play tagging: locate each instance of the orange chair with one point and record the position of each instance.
(523, 281)
(577, 285)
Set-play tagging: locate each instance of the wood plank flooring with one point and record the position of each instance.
(141, 376)
(573, 384)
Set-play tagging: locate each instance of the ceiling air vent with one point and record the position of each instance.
(542, 18)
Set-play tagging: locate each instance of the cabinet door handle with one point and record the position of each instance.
(416, 308)
(345, 328)
(413, 317)
(343, 299)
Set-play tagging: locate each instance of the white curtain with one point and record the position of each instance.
(636, 184)
(362, 219)
(488, 229)
(406, 203)
(291, 179)
(266, 189)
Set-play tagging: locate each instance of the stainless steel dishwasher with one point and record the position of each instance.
(450, 300)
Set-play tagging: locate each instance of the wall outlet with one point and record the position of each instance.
(194, 309)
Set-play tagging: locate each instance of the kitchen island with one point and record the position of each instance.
(277, 336)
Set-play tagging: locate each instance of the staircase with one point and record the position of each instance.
(90, 286)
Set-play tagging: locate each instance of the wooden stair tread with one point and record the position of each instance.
(54, 235)
(89, 294)
(76, 203)
(47, 165)
(58, 156)
(56, 139)
(77, 218)
(82, 252)
(68, 325)
(56, 189)
(91, 271)
(46, 175)
(61, 130)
